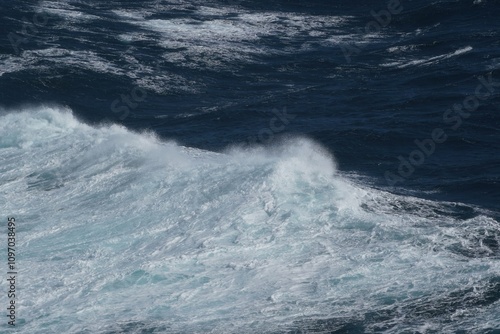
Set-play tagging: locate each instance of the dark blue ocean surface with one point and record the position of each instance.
(242, 166)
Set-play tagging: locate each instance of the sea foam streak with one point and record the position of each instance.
(120, 231)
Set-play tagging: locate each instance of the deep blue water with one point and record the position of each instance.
(403, 95)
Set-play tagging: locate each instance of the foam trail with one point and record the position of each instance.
(122, 232)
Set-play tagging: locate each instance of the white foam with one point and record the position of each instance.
(10, 64)
(216, 41)
(213, 38)
(65, 10)
(81, 59)
(37, 60)
(429, 60)
(118, 227)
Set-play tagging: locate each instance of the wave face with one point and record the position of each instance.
(120, 232)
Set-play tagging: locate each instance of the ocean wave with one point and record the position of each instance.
(124, 231)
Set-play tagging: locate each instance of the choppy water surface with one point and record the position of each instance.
(252, 166)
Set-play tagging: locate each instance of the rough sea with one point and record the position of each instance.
(250, 166)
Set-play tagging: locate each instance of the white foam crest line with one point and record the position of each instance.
(30, 60)
(131, 14)
(82, 59)
(65, 10)
(428, 61)
(402, 48)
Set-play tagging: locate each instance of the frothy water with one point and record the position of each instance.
(124, 232)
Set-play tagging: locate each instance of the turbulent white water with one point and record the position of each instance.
(122, 232)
